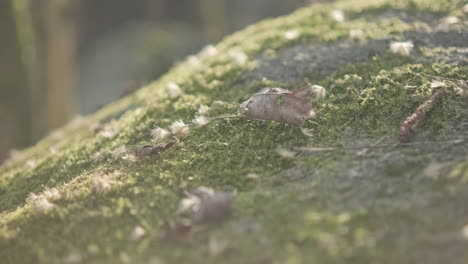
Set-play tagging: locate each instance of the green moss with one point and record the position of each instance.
(310, 209)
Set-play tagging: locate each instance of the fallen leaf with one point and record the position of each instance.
(149, 150)
(280, 105)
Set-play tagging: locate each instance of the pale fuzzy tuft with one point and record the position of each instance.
(189, 204)
(465, 8)
(318, 91)
(31, 164)
(307, 131)
(200, 121)
(450, 20)
(159, 134)
(52, 194)
(179, 129)
(464, 232)
(337, 15)
(252, 176)
(437, 84)
(238, 56)
(32, 197)
(173, 90)
(285, 153)
(73, 258)
(203, 110)
(42, 204)
(101, 184)
(291, 34)
(193, 60)
(138, 233)
(208, 51)
(96, 157)
(356, 34)
(217, 246)
(119, 152)
(129, 157)
(403, 48)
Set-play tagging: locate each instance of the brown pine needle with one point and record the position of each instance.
(412, 122)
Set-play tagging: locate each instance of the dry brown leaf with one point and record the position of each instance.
(149, 150)
(280, 105)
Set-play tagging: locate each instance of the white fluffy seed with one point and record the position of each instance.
(173, 90)
(208, 51)
(401, 47)
(42, 204)
(138, 233)
(318, 91)
(238, 56)
(291, 34)
(285, 153)
(159, 134)
(337, 15)
(203, 109)
(179, 129)
(101, 184)
(356, 34)
(200, 121)
(52, 194)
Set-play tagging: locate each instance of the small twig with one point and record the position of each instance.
(227, 117)
(410, 124)
(333, 149)
(442, 78)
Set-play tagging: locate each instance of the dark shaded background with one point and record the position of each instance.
(63, 58)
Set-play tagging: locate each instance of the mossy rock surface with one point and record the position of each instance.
(383, 205)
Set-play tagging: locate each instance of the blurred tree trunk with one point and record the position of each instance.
(14, 107)
(53, 64)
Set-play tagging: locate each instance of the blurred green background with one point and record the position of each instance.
(63, 58)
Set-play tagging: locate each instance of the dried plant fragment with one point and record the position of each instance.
(413, 120)
(149, 150)
(402, 48)
(204, 205)
(101, 184)
(280, 105)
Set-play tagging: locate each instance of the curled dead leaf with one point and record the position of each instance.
(280, 105)
(149, 150)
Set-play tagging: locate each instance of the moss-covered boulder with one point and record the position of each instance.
(93, 201)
